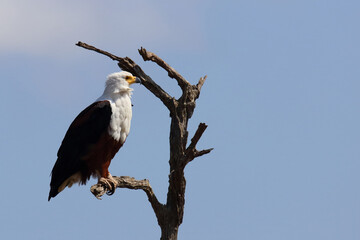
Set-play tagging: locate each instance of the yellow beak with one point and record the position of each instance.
(132, 79)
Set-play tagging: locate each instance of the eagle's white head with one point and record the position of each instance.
(119, 82)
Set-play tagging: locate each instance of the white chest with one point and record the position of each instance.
(120, 121)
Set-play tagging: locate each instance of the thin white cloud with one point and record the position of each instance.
(52, 27)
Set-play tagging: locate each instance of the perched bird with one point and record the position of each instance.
(95, 136)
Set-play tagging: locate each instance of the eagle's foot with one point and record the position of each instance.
(110, 183)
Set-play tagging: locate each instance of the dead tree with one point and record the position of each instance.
(169, 215)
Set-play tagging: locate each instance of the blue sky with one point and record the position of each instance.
(281, 101)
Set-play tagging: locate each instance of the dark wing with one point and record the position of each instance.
(83, 132)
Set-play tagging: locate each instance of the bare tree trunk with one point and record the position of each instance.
(169, 215)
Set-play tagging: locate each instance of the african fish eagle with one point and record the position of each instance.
(95, 136)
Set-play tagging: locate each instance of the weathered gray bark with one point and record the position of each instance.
(169, 215)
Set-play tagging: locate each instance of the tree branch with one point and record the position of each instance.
(199, 132)
(171, 71)
(203, 152)
(191, 153)
(201, 83)
(92, 48)
(98, 190)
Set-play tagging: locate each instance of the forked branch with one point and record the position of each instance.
(191, 152)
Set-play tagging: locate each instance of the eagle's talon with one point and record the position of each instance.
(110, 192)
(104, 182)
(111, 189)
(109, 183)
